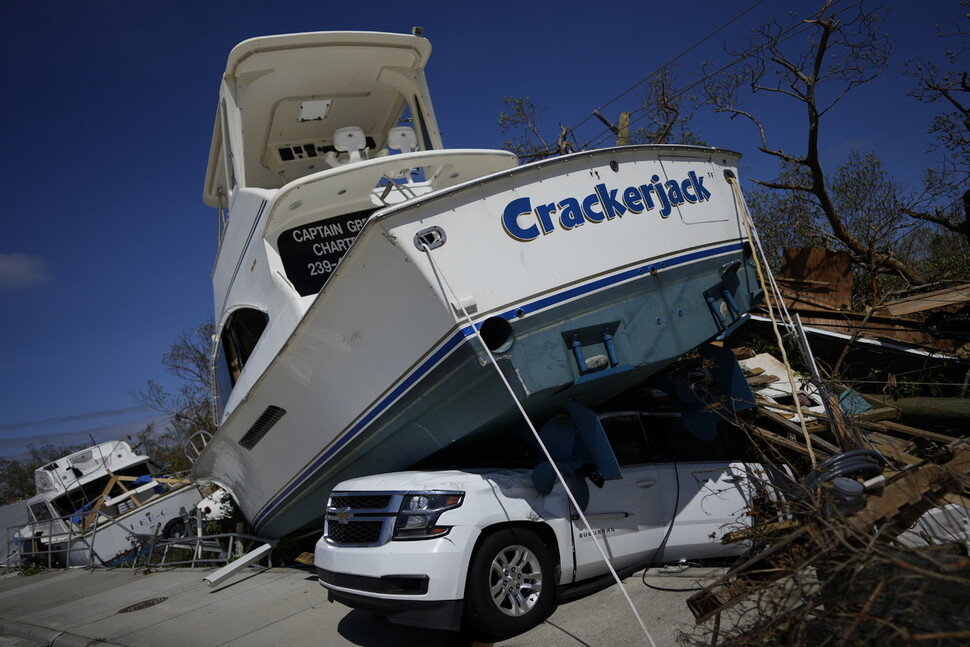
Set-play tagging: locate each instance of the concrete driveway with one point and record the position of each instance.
(287, 606)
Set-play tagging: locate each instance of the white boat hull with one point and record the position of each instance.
(550, 259)
(105, 541)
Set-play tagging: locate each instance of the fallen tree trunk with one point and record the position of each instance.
(944, 411)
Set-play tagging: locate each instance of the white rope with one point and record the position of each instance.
(774, 294)
(542, 445)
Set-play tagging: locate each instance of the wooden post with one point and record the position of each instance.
(623, 136)
(89, 518)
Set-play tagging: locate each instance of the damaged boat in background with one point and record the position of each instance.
(100, 505)
(365, 273)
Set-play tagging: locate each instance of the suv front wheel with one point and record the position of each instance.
(511, 585)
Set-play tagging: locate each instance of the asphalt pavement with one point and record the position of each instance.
(261, 607)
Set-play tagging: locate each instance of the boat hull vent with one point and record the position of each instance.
(261, 427)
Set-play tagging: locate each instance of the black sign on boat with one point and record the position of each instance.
(311, 252)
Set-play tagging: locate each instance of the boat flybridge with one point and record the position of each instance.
(366, 275)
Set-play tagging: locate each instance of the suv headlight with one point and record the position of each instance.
(418, 516)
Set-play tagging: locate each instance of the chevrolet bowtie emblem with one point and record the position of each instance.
(343, 515)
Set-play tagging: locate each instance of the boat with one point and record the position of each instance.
(99, 506)
(366, 274)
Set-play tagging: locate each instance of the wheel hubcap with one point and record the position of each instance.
(516, 580)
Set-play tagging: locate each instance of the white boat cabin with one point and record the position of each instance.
(109, 471)
(313, 133)
(286, 111)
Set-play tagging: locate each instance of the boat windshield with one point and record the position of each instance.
(75, 499)
(40, 511)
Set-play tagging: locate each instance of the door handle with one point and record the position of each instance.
(604, 516)
(645, 484)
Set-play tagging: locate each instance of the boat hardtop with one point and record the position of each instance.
(288, 111)
(84, 466)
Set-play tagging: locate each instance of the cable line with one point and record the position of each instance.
(668, 63)
(785, 34)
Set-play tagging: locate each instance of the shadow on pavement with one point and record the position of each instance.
(371, 630)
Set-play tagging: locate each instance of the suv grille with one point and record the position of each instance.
(361, 518)
(355, 532)
(361, 501)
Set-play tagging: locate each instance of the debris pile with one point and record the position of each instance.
(871, 542)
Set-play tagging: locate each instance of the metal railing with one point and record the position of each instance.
(56, 543)
(226, 547)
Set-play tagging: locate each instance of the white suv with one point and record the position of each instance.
(484, 547)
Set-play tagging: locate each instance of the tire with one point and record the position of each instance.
(511, 585)
(175, 529)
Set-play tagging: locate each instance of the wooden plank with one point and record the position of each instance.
(881, 425)
(743, 352)
(900, 444)
(775, 439)
(796, 429)
(830, 271)
(761, 380)
(928, 301)
(787, 443)
(885, 444)
(910, 494)
(886, 425)
(89, 518)
(879, 413)
(889, 446)
(957, 499)
(816, 427)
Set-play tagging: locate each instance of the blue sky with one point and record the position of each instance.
(106, 247)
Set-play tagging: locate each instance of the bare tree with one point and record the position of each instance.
(522, 122)
(840, 52)
(17, 473)
(945, 199)
(190, 407)
(661, 118)
(787, 218)
(870, 204)
(664, 116)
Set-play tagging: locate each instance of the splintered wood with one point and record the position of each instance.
(905, 497)
(841, 576)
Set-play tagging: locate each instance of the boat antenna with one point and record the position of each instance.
(104, 461)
